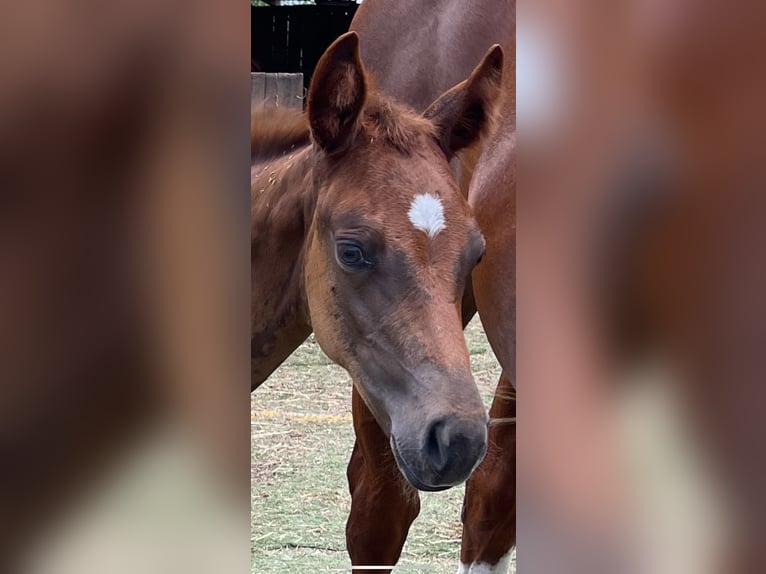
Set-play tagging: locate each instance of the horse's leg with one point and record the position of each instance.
(489, 507)
(383, 503)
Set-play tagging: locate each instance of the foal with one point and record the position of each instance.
(363, 236)
(441, 44)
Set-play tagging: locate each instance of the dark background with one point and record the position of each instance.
(291, 39)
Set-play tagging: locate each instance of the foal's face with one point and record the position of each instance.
(387, 263)
(390, 247)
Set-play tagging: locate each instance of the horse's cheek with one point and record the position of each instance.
(322, 307)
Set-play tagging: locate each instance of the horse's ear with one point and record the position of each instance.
(463, 113)
(337, 93)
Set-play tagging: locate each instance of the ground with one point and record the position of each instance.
(301, 440)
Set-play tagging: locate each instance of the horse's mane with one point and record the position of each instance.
(395, 122)
(275, 131)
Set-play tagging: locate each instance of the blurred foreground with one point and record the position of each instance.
(124, 295)
(641, 321)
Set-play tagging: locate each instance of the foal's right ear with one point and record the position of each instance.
(337, 93)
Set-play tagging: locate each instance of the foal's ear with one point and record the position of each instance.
(337, 93)
(464, 112)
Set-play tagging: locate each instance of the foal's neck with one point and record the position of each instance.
(280, 182)
(281, 205)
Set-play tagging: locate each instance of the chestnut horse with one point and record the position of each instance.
(414, 59)
(360, 233)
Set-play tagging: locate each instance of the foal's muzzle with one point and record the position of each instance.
(444, 454)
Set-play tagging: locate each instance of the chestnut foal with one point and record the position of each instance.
(362, 235)
(438, 53)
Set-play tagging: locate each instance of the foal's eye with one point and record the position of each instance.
(350, 254)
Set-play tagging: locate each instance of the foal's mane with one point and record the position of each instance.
(275, 131)
(395, 122)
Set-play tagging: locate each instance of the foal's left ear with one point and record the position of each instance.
(464, 112)
(337, 93)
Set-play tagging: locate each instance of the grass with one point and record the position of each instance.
(301, 440)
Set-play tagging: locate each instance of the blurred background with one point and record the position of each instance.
(640, 284)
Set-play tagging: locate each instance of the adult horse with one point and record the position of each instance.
(414, 58)
(361, 234)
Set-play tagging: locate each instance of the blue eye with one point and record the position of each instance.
(350, 254)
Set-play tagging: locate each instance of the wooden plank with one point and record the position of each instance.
(257, 87)
(279, 39)
(290, 90)
(277, 90)
(270, 91)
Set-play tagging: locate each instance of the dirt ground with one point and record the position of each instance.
(301, 440)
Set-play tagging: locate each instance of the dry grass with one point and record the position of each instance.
(301, 440)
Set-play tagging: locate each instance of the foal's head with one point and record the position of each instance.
(390, 246)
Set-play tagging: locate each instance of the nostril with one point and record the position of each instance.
(437, 445)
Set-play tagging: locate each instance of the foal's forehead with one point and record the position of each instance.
(413, 198)
(420, 215)
(399, 181)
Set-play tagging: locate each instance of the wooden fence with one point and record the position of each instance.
(283, 90)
